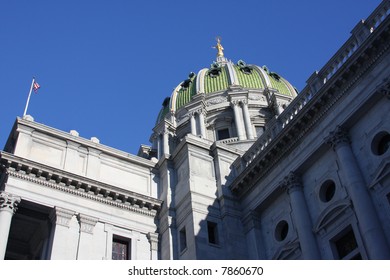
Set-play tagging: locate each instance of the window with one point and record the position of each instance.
(281, 230)
(212, 230)
(346, 246)
(381, 143)
(120, 248)
(327, 191)
(183, 239)
(223, 134)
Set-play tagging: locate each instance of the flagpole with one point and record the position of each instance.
(28, 98)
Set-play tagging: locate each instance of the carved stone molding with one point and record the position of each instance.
(153, 240)
(87, 223)
(216, 100)
(292, 182)
(384, 88)
(9, 202)
(337, 137)
(61, 216)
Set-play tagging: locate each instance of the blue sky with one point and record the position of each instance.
(105, 67)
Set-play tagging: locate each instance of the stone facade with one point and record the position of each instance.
(240, 167)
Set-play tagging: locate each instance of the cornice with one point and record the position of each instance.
(78, 185)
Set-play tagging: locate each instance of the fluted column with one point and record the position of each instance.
(238, 121)
(368, 221)
(202, 125)
(301, 217)
(247, 121)
(193, 124)
(8, 207)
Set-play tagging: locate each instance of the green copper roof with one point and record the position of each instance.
(185, 94)
(250, 79)
(164, 110)
(278, 84)
(216, 83)
(217, 78)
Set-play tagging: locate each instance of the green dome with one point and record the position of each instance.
(219, 77)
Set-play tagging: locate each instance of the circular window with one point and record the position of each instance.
(381, 143)
(281, 230)
(327, 191)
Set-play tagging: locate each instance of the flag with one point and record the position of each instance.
(36, 86)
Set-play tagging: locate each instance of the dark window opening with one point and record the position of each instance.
(212, 230)
(327, 191)
(183, 239)
(246, 70)
(120, 248)
(347, 245)
(223, 134)
(381, 143)
(281, 230)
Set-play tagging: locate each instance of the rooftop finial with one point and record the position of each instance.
(219, 47)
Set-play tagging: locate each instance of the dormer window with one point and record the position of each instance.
(244, 67)
(246, 70)
(215, 70)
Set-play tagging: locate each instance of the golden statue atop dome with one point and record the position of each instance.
(219, 47)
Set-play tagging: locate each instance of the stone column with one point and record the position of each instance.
(247, 121)
(153, 240)
(301, 217)
(8, 206)
(368, 221)
(166, 143)
(238, 120)
(159, 146)
(193, 124)
(202, 125)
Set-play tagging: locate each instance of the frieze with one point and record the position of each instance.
(217, 100)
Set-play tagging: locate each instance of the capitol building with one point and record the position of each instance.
(240, 166)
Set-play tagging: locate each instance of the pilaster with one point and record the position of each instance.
(64, 235)
(87, 224)
(153, 240)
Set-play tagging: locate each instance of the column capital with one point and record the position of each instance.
(61, 216)
(9, 202)
(292, 182)
(337, 137)
(235, 102)
(87, 223)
